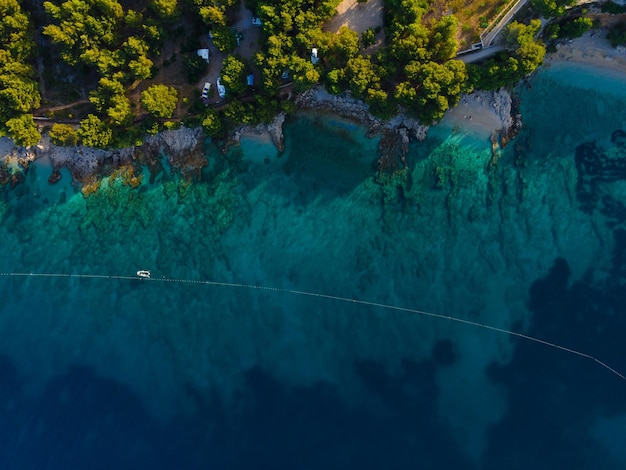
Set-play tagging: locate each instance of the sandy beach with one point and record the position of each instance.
(590, 49)
(479, 114)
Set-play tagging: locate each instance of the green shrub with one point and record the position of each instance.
(196, 68)
(575, 28)
(368, 37)
(64, 135)
(612, 8)
(160, 100)
(617, 34)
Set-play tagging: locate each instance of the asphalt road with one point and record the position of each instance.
(480, 54)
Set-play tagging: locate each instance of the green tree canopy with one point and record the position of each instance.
(368, 37)
(442, 43)
(63, 134)
(84, 27)
(234, 75)
(551, 8)
(516, 34)
(165, 8)
(576, 27)
(303, 73)
(381, 104)
(98, 33)
(14, 30)
(406, 94)
(361, 75)
(433, 89)
(224, 38)
(160, 100)
(23, 130)
(214, 15)
(120, 111)
(411, 43)
(345, 45)
(110, 99)
(212, 10)
(521, 39)
(525, 55)
(292, 28)
(135, 55)
(93, 132)
(401, 13)
(212, 123)
(19, 93)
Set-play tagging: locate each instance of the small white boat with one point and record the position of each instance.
(143, 273)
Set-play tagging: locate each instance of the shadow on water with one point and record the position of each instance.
(310, 427)
(556, 397)
(82, 420)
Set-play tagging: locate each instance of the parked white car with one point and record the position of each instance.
(221, 89)
(205, 90)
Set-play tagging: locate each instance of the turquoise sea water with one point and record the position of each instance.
(99, 372)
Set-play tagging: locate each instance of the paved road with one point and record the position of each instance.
(480, 54)
(487, 40)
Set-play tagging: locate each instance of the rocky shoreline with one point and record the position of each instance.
(346, 106)
(183, 147)
(397, 133)
(494, 115)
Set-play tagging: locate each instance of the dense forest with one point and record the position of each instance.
(19, 92)
(102, 63)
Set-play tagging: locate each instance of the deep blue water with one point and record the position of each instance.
(123, 373)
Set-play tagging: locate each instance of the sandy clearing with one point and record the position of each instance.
(357, 16)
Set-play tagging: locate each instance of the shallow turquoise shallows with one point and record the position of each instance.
(227, 357)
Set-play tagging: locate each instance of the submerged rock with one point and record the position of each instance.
(183, 148)
(55, 177)
(347, 106)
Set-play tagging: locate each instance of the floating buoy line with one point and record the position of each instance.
(145, 276)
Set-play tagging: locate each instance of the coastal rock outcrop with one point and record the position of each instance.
(397, 132)
(275, 130)
(502, 103)
(82, 162)
(347, 106)
(13, 158)
(175, 142)
(183, 148)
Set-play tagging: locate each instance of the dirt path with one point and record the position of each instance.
(51, 109)
(357, 16)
